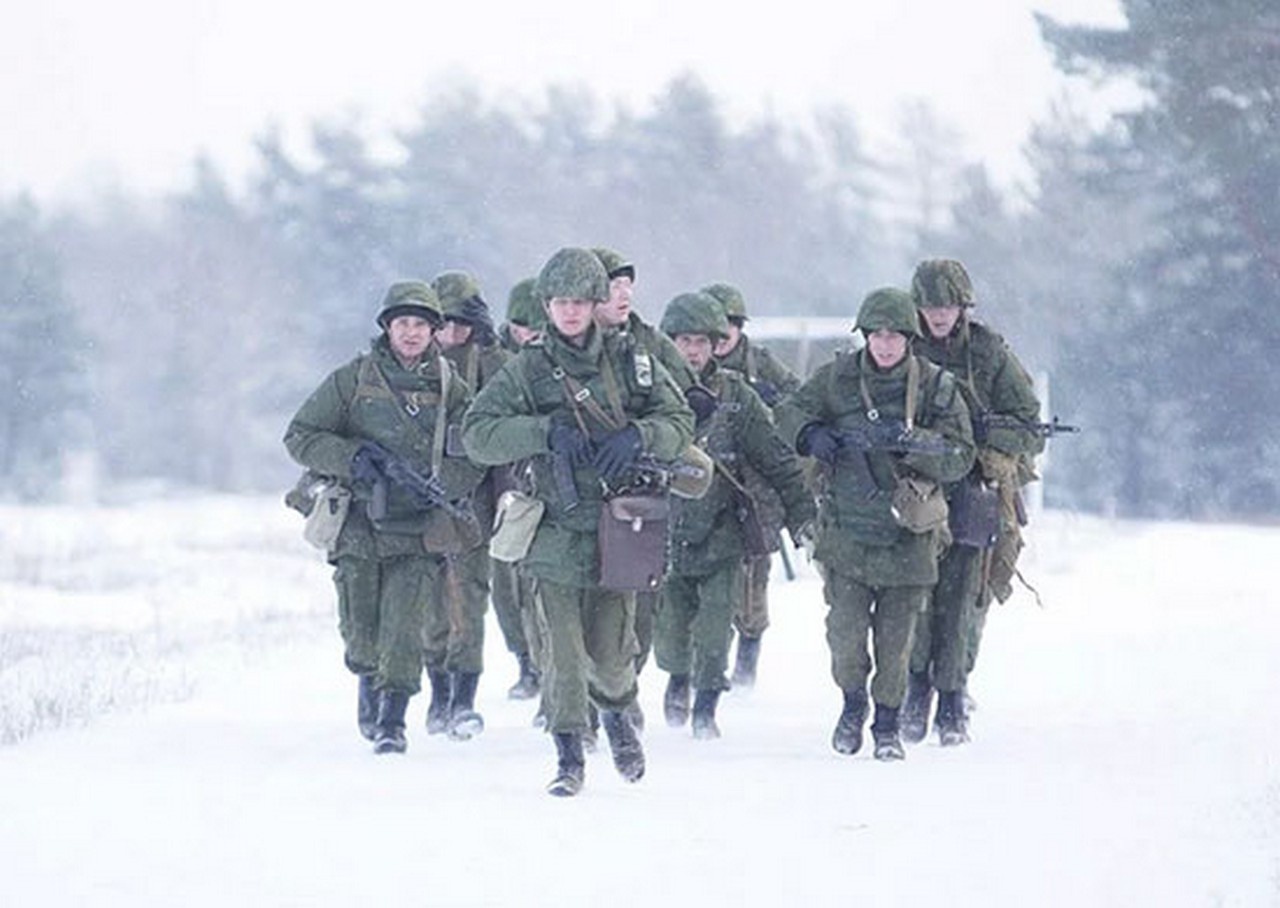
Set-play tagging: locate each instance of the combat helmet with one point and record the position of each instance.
(941, 283)
(410, 298)
(888, 308)
(523, 308)
(615, 264)
(456, 290)
(573, 273)
(695, 313)
(730, 299)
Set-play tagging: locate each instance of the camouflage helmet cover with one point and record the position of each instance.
(455, 288)
(615, 264)
(941, 283)
(695, 313)
(730, 299)
(888, 308)
(573, 273)
(522, 306)
(410, 298)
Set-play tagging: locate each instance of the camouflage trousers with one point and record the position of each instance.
(888, 615)
(693, 627)
(646, 614)
(751, 616)
(382, 612)
(453, 639)
(589, 652)
(511, 603)
(944, 633)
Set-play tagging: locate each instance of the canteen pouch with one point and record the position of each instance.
(328, 513)
(514, 525)
(974, 513)
(918, 504)
(633, 542)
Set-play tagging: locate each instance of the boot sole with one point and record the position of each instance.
(564, 788)
(466, 727)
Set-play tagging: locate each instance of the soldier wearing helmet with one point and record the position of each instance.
(368, 426)
(772, 380)
(593, 401)
(877, 567)
(705, 576)
(971, 571)
(525, 318)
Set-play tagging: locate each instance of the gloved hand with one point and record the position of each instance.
(768, 392)
(568, 440)
(617, 452)
(368, 462)
(702, 402)
(819, 441)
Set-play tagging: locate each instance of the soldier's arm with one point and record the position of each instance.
(666, 352)
(666, 423)
(500, 426)
(775, 460)
(1013, 394)
(951, 423)
(776, 373)
(804, 406)
(316, 437)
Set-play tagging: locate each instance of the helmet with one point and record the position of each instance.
(940, 283)
(456, 289)
(888, 308)
(614, 263)
(410, 298)
(523, 308)
(695, 313)
(730, 298)
(574, 273)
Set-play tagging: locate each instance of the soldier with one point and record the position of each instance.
(455, 656)
(772, 381)
(887, 427)
(993, 383)
(512, 596)
(707, 550)
(592, 402)
(373, 425)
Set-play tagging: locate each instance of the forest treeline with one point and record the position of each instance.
(1139, 269)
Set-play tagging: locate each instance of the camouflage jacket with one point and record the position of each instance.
(357, 403)
(511, 417)
(767, 376)
(662, 349)
(477, 365)
(857, 533)
(740, 434)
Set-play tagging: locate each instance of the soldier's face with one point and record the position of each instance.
(522, 335)
(572, 317)
(941, 320)
(725, 347)
(453, 334)
(695, 348)
(888, 348)
(409, 335)
(616, 309)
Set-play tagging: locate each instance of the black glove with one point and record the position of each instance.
(618, 452)
(818, 441)
(568, 440)
(368, 462)
(768, 392)
(702, 402)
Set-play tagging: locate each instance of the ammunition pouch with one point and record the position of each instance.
(514, 525)
(918, 504)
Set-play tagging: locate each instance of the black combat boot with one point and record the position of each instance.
(675, 703)
(526, 686)
(704, 715)
(441, 699)
(952, 723)
(847, 738)
(884, 729)
(744, 667)
(914, 717)
(571, 768)
(628, 755)
(636, 715)
(367, 706)
(464, 722)
(388, 737)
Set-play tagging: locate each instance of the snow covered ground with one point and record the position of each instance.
(182, 733)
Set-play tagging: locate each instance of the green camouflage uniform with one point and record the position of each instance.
(877, 574)
(588, 632)
(390, 588)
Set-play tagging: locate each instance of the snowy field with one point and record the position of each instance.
(179, 730)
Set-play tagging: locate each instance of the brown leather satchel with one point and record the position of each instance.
(633, 542)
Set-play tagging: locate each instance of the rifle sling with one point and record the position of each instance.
(406, 410)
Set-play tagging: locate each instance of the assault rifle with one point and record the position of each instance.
(426, 490)
(1055, 426)
(889, 435)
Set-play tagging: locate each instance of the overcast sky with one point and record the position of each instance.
(132, 90)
